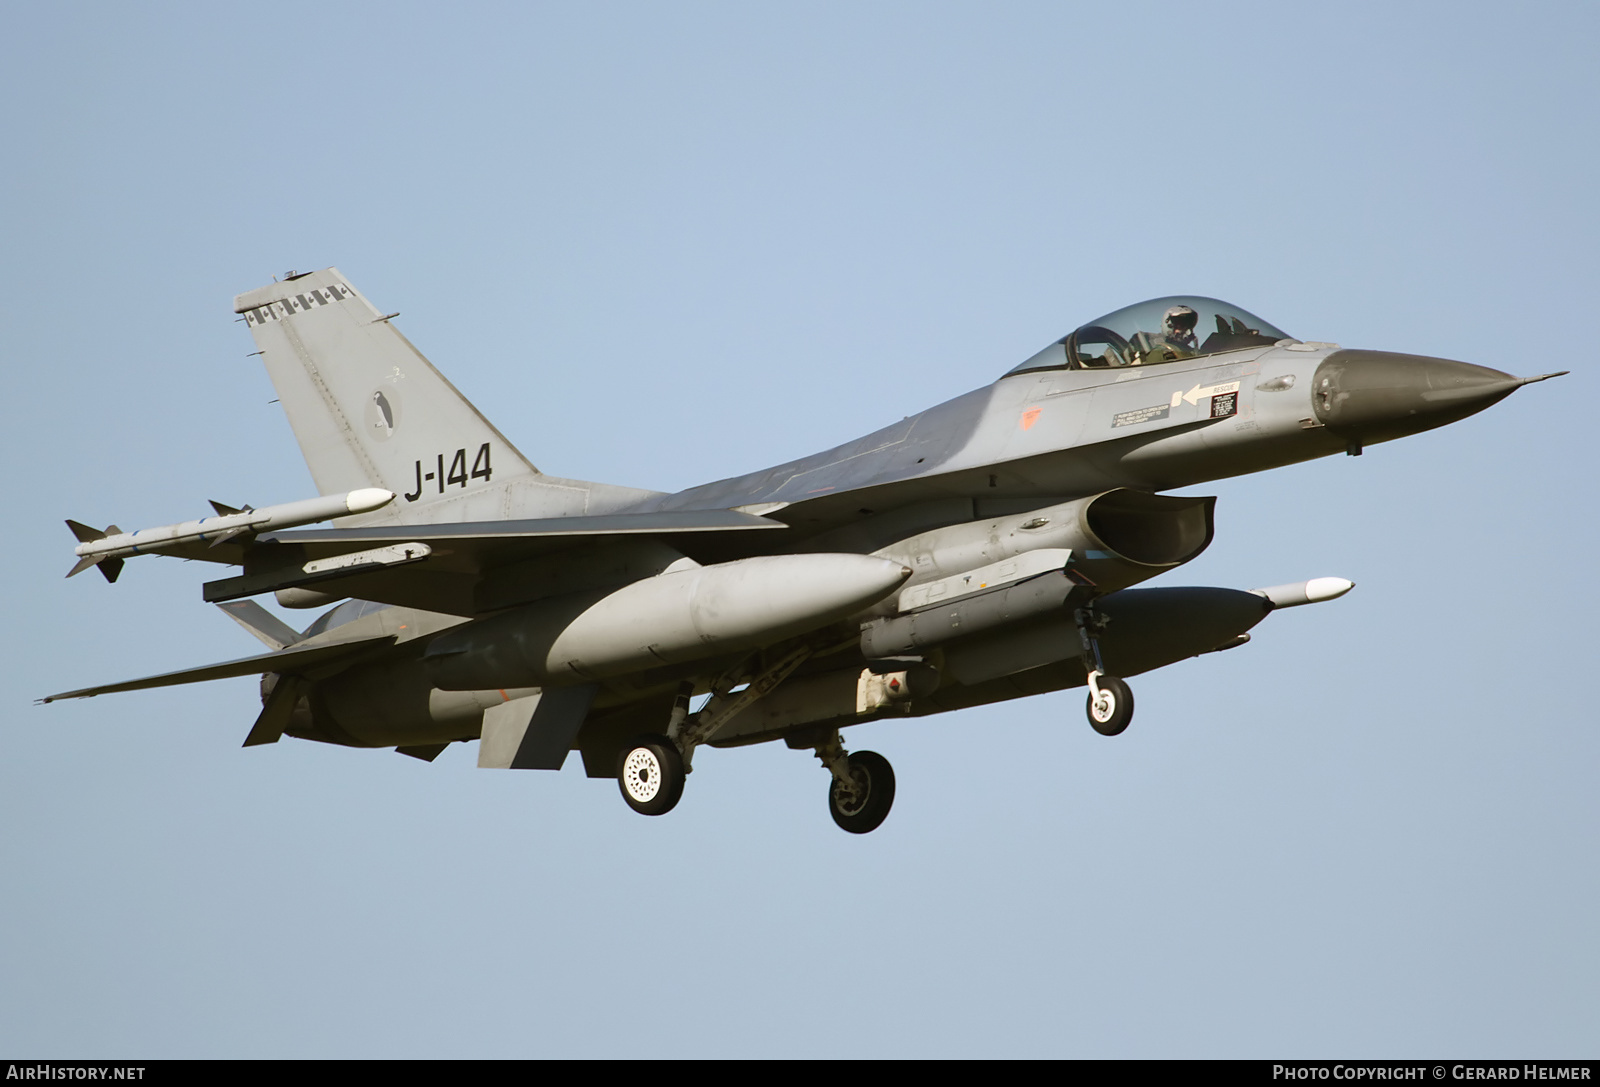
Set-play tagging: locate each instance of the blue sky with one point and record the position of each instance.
(658, 245)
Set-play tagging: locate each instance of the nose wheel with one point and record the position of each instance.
(1110, 705)
(1110, 702)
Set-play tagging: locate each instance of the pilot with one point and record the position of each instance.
(1177, 324)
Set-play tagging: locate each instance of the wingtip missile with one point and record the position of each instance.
(367, 500)
(107, 549)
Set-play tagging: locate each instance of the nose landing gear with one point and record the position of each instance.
(1110, 705)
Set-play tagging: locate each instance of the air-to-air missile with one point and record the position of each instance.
(108, 549)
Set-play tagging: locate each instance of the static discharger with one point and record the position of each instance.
(108, 549)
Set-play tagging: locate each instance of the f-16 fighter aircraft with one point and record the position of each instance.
(982, 550)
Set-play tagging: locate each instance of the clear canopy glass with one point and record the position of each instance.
(1160, 330)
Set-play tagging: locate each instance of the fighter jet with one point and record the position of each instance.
(982, 550)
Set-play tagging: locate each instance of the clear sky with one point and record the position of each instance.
(660, 244)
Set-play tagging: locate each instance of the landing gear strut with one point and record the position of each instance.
(862, 790)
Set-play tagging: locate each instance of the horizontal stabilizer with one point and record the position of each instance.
(267, 628)
(292, 660)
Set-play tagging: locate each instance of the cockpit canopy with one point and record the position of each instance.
(1160, 330)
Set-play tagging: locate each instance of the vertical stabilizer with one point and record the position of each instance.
(370, 411)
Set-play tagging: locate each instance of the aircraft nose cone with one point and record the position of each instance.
(1383, 395)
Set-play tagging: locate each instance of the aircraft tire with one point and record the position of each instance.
(650, 775)
(1111, 717)
(868, 811)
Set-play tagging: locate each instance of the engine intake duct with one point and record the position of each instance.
(1117, 538)
(1151, 529)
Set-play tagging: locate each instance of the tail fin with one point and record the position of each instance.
(370, 411)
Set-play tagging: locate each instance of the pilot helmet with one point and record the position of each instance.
(1180, 319)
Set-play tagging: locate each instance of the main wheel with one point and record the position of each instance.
(868, 807)
(1111, 712)
(650, 774)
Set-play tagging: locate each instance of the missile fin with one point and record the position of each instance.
(222, 510)
(85, 534)
(111, 568)
(83, 564)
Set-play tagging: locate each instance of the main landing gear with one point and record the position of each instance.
(1110, 705)
(652, 768)
(651, 773)
(862, 790)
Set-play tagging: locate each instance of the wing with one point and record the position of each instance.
(471, 568)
